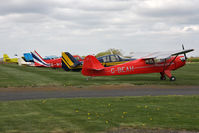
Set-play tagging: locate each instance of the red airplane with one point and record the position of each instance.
(153, 63)
(39, 61)
(54, 63)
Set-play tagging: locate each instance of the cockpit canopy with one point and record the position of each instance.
(112, 58)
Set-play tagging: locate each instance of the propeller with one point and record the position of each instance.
(184, 53)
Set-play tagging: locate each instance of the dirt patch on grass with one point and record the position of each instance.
(134, 130)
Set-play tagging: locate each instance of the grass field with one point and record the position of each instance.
(100, 114)
(12, 75)
(96, 114)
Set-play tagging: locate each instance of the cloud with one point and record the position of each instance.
(97, 24)
(24, 6)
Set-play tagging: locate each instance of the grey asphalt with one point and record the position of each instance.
(25, 95)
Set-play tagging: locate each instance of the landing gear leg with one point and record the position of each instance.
(168, 74)
(162, 77)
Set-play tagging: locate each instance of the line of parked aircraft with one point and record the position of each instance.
(109, 65)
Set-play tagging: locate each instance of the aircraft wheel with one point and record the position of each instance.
(172, 78)
(163, 77)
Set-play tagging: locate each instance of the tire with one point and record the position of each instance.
(172, 78)
(163, 78)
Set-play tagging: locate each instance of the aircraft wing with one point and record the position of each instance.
(183, 51)
(166, 55)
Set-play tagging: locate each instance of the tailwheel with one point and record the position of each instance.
(163, 78)
(172, 78)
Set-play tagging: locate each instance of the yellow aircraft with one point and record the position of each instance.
(7, 59)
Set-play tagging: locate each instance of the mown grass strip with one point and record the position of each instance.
(100, 114)
(12, 75)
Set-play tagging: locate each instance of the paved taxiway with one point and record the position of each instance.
(7, 94)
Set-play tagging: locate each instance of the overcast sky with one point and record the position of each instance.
(90, 26)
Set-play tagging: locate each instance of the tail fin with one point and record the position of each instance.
(6, 58)
(39, 61)
(28, 57)
(91, 66)
(69, 62)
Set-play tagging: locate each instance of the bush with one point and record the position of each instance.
(109, 51)
(193, 59)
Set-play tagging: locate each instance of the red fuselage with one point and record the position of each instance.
(139, 66)
(57, 63)
(54, 63)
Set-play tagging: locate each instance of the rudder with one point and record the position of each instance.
(91, 66)
(5, 57)
(39, 60)
(69, 62)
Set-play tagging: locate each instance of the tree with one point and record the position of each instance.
(109, 51)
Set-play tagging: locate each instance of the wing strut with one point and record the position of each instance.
(170, 62)
(164, 64)
(167, 72)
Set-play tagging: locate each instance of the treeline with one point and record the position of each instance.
(109, 51)
(193, 59)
